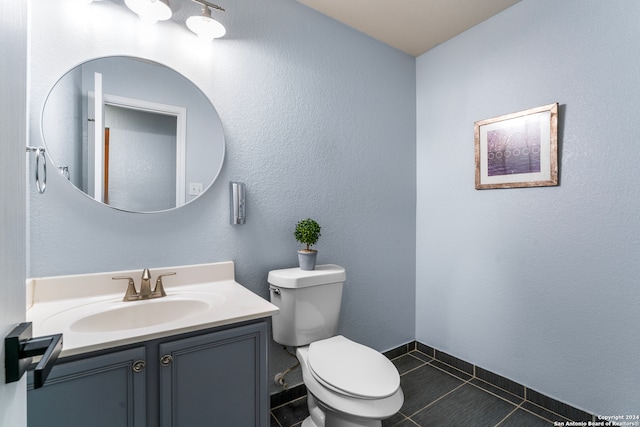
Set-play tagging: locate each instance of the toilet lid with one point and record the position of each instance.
(353, 369)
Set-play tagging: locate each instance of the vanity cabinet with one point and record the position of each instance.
(104, 390)
(214, 377)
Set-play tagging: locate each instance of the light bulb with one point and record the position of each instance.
(205, 26)
(150, 11)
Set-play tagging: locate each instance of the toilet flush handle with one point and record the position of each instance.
(274, 290)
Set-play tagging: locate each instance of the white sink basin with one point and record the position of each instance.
(149, 313)
(114, 315)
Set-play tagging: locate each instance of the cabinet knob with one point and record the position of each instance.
(166, 360)
(138, 366)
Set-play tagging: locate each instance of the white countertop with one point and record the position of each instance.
(55, 303)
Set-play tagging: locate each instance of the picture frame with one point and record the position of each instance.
(518, 149)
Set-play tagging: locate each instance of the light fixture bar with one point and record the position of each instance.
(211, 5)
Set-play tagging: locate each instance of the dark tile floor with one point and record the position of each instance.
(436, 394)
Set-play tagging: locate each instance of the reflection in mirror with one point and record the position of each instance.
(133, 134)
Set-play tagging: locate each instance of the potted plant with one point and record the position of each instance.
(307, 232)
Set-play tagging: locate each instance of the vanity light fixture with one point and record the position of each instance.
(204, 25)
(150, 11)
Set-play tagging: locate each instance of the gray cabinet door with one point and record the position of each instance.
(216, 379)
(99, 391)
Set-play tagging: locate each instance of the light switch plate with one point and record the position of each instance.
(195, 188)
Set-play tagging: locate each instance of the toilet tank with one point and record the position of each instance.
(309, 303)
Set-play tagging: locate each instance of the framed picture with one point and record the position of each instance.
(518, 150)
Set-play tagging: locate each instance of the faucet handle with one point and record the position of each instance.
(159, 289)
(131, 294)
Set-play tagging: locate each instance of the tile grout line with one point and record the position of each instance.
(406, 419)
(508, 415)
(438, 399)
(560, 417)
(501, 389)
(447, 372)
(412, 369)
(273, 417)
(286, 403)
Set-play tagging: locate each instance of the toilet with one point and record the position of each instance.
(348, 384)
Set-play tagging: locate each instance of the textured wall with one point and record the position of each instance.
(539, 285)
(319, 121)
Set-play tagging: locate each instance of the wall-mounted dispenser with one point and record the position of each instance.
(237, 198)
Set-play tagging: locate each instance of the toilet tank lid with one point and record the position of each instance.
(297, 278)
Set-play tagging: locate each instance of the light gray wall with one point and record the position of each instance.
(319, 122)
(539, 285)
(13, 137)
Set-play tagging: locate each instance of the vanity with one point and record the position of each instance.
(132, 357)
(196, 357)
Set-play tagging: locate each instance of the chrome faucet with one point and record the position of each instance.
(145, 287)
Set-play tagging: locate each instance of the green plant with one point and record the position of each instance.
(307, 232)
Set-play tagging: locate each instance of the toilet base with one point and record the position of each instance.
(308, 422)
(316, 416)
(321, 417)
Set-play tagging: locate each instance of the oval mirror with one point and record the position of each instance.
(133, 134)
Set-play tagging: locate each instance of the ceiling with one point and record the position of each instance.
(413, 26)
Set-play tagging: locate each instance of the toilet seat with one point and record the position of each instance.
(352, 369)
